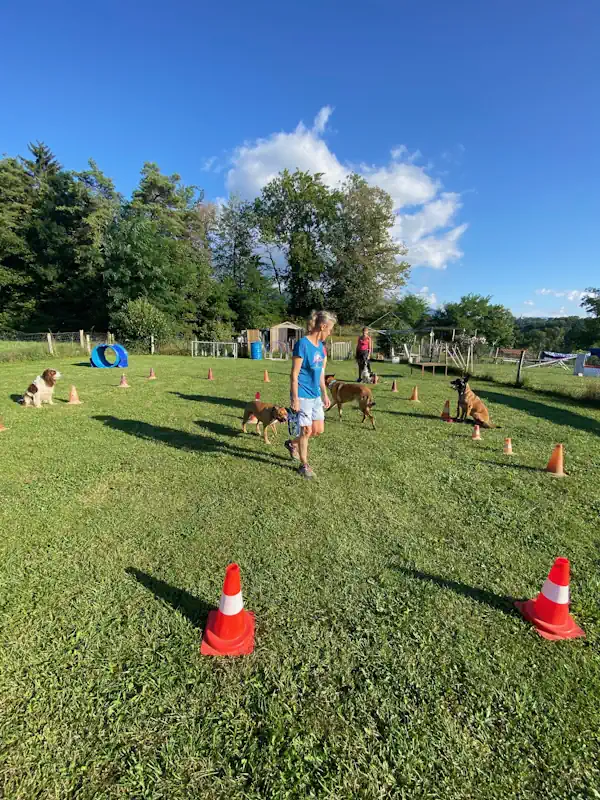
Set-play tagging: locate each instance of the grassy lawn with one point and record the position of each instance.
(389, 661)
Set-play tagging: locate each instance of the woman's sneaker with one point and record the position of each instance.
(292, 449)
(306, 471)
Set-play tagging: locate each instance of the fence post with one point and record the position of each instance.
(88, 344)
(151, 344)
(520, 367)
(81, 339)
(49, 340)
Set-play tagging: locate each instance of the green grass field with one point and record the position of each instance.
(389, 661)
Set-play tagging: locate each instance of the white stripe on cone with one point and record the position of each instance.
(231, 604)
(557, 594)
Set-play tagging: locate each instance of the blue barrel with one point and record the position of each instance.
(256, 350)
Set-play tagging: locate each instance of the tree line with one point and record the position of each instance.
(75, 253)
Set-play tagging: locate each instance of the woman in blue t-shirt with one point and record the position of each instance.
(309, 398)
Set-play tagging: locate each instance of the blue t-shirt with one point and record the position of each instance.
(313, 358)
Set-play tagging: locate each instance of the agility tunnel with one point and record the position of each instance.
(98, 357)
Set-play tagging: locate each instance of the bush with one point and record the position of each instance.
(139, 320)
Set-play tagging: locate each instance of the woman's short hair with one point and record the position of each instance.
(319, 318)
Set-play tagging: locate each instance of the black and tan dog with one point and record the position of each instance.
(265, 414)
(469, 405)
(347, 392)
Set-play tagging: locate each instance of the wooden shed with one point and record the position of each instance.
(284, 336)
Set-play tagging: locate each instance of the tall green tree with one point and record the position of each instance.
(294, 213)
(17, 303)
(42, 164)
(365, 260)
(475, 313)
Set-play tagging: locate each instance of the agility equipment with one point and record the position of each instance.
(152, 376)
(98, 356)
(266, 378)
(414, 398)
(229, 629)
(446, 412)
(476, 434)
(508, 451)
(556, 463)
(2, 426)
(549, 611)
(124, 384)
(74, 397)
(394, 387)
(210, 375)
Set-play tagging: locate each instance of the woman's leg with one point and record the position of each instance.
(302, 443)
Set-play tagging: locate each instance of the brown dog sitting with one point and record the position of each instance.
(265, 414)
(469, 405)
(346, 392)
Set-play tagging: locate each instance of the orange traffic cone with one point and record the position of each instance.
(124, 384)
(415, 395)
(476, 434)
(266, 377)
(210, 375)
(394, 387)
(2, 426)
(556, 464)
(74, 397)
(549, 611)
(257, 396)
(446, 412)
(507, 447)
(152, 376)
(229, 630)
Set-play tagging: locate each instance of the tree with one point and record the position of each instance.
(474, 313)
(42, 166)
(294, 213)
(591, 302)
(139, 320)
(364, 262)
(413, 309)
(16, 199)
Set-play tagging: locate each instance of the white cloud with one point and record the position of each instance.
(208, 164)
(528, 303)
(429, 232)
(430, 297)
(572, 295)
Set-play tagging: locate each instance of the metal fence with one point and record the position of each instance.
(215, 349)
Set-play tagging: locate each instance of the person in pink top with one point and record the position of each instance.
(364, 351)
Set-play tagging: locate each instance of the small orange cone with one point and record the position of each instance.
(74, 397)
(394, 387)
(229, 630)
(257, 396)
(507, 447)
(446, 412)
(266, 378)
(152, 376)
(556, 465)
(2, 426)
(415, 395)
(476, 434)
(549, 611)
(124, 384)
(210, 375)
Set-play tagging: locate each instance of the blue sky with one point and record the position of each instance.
(482, 119)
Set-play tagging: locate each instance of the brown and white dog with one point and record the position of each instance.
(265, 414)
(469, 405)
(42, 389)
(347, 392)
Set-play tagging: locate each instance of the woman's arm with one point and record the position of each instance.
(296, 367)
(324, 395)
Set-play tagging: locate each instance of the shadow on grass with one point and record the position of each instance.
(194, 609)
(501, 602)
(509, 465)
(16, 398)
(558, 416)
(81, 364)
(410, 414)
(230, 402)
(185, 441)
(218, 428)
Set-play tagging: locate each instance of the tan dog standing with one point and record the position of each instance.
(347, 392)
(265, 414)
(469, 405)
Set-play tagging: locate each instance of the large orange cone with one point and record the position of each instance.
(394, 387)
(2, 426)
(229, 630)
(446, 412)
(508, 451)
(476, 434)
(556, 465)
(415, 395)
(549, 612)
(152, 376)
(266, 377)
(123, 384)
(210, 375)
(74, 397)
